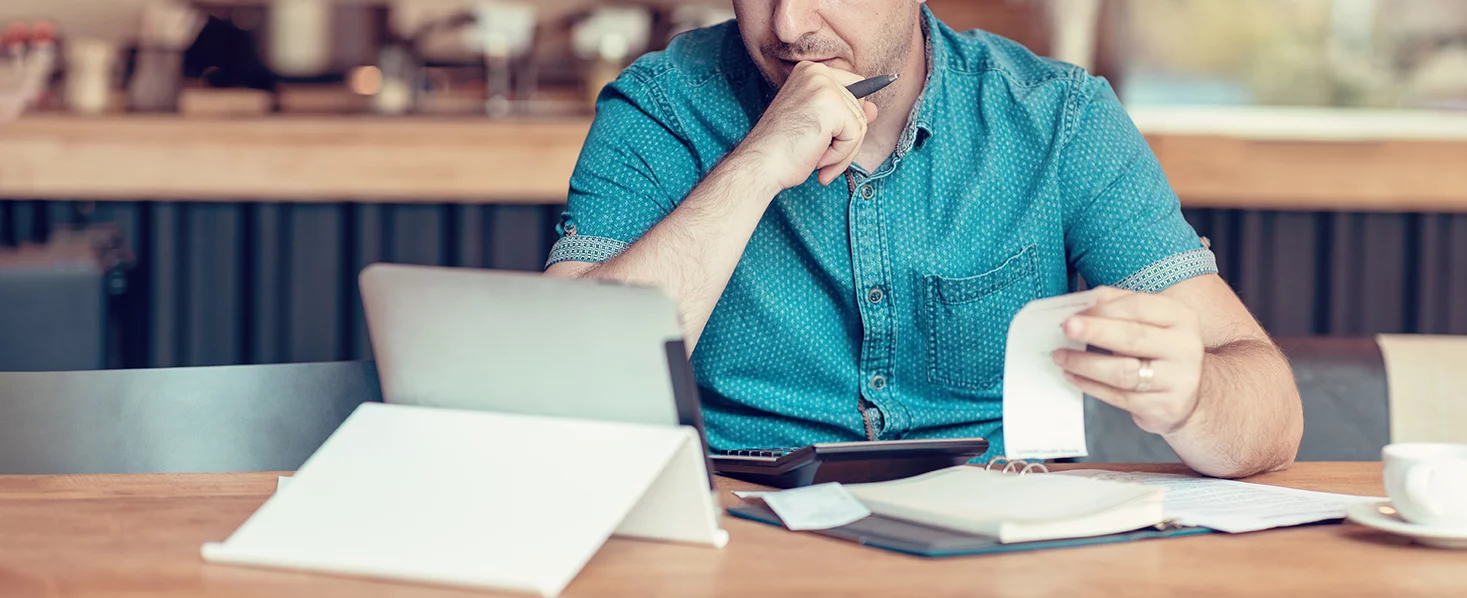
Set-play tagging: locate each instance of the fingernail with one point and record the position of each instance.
(1073, 327)
(1058, 357)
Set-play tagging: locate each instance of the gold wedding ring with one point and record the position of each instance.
(1144, 375)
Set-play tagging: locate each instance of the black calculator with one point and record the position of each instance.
(845, 462)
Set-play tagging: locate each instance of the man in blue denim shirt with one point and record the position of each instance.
(847, 269)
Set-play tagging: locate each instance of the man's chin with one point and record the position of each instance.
(774, 77)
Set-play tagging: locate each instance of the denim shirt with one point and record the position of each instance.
(878, 307)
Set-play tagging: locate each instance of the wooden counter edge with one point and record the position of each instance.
(290, 159)
(474, 160)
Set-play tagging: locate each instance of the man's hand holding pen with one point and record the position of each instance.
(815, 123)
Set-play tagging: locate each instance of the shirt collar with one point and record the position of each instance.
(924, 112)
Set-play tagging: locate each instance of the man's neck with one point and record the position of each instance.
(883, 134)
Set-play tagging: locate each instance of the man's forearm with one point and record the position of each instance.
(693, 252)
(1248, 419)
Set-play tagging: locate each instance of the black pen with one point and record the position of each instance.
(861, 89)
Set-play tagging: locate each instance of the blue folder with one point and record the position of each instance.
(921, 540)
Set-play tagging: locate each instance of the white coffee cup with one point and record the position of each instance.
(1427, 482)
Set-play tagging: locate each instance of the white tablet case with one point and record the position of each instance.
(479, 499)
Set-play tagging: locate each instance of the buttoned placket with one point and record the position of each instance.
(871, 272)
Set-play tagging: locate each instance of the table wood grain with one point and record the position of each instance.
(139, 535)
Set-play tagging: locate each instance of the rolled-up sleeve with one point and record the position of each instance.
(617, 192)
(1124, 223)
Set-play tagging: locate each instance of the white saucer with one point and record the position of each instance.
(1380, 515)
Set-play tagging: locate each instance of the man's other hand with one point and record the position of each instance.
(1155, 369)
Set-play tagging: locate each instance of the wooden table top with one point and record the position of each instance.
(139, 535)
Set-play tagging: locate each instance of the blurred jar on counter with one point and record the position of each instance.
(607, 40)
(26, 66)
(91, 75)
(506, 34)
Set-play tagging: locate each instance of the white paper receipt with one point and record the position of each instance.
(822, 506)
(747, 494)
(1043, 414)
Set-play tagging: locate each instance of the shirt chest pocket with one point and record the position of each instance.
(968, 321)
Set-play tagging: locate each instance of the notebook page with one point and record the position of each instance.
(1232, 506)
(975, 495)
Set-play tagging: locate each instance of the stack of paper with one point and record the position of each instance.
(1069, 504)
(1008, 508)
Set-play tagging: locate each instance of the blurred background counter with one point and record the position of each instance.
(1216, 157)
(404, 159)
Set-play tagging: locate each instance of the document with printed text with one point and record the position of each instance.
(1232, 506)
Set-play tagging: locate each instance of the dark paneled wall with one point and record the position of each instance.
(226, 283)
(1340, 274)
(229, 283)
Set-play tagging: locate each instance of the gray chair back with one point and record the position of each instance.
(1342, 383)
(52, 319)
(200, 419)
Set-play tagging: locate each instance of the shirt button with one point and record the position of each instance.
(878, 382)
(868, 192)
(875, 296)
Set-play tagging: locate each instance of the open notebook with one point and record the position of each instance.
(970, 510)
(1012, 508)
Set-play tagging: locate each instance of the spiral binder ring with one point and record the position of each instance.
(1014, 466)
